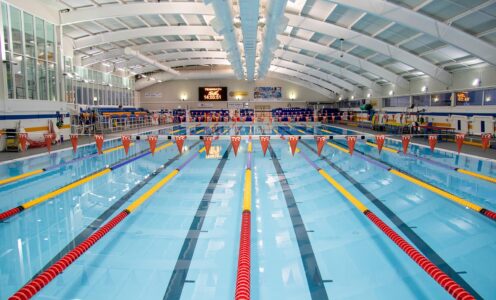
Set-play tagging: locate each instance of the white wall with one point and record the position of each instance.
(172, 92)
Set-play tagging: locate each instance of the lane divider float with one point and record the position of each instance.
(16, 210)
(243, 281)
(40, 281)
(39, 171)
(461, 201)
(453, 288)
(459, 170)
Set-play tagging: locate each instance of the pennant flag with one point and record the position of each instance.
(351, 143)
(207, 142)
(432, 141)
(486, 138)
(379, 140)
(180, 142)
(293, 142)
(264, 140)
(235, 141)
(405, 140)
(459, 137)
(126, 141)
(99, 142)
(23, 140)
(152, 140)
(74, 142)
(320, 143)
(48, 141)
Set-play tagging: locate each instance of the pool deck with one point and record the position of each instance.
(467, 149)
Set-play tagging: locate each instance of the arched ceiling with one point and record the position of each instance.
(339, 45)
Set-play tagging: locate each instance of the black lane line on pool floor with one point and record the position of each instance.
(95, 225)
(404, 228)
(178, 277)
(312, 271)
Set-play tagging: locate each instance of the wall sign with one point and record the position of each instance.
(153, 95)
(212, 93)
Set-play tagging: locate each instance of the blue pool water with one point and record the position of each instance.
(338, 254)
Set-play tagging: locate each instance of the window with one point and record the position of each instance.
(40, 39)
(29, 34)
(402, 101)
(28, 75)
(441, 99)
(421, 100)
(42, 80)
(490, 97)
(31, 78)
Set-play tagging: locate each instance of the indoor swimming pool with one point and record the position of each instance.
(313, 219)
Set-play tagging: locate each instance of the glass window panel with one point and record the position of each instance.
(31, 78)
(52, 82)
(16, 26)
(490, 97)
(50, 38)
(79, 94)
(10, 78)
(441, 99)
(18, 69)
(40, 38)
(29, 34)
(42, 80)
(6, 31)
(421, 100)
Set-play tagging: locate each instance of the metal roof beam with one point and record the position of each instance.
(371, 43)
(134, 9)
(115, 36)
(428, 25)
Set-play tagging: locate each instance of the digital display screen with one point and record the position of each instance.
(213, 93)
(462, 97)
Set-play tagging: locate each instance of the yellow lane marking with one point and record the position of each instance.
(133, 206)
(115, 148)
(247, 191)
(338, 147)
(18, 177)
(151, 191)
(484, 177)
(63, 189)
(383, 148)
(343, 191)
(438, 191)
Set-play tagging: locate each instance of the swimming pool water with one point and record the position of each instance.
(308, 242)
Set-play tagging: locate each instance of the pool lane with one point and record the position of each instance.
(105, 216)
(355, 259)
(465, 240)
(312, 271)
(41, 199)
(487, 212)
(180, 272)
(417, 241)
(136, 260)
(30, 241)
